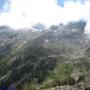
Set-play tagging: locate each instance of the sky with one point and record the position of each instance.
(25, 13)
(2, 3)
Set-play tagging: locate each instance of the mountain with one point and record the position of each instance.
(53, 59)
(39, 26)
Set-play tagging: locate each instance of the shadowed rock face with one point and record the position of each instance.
(88, 88)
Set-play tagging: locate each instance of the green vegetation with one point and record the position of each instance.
(60, 76)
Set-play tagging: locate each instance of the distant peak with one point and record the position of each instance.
(39, 26)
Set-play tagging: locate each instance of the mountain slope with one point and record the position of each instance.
(49, 58)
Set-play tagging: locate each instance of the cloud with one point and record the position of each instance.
(25, 13)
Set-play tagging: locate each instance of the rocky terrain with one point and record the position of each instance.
(57, 58)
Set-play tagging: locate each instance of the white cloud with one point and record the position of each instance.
(24, 13)
(87, 29)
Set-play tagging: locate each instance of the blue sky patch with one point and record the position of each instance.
(62, 2)
(2, 2)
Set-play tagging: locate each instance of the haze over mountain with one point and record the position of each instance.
(18, 14)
